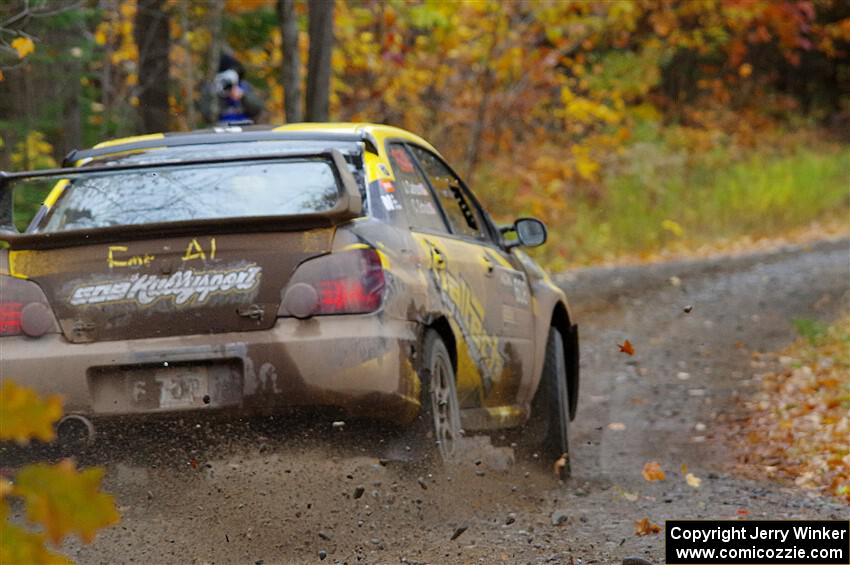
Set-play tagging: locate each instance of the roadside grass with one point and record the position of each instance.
(685, 204)
(798, 427)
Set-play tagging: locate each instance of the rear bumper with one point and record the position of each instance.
(360, 364)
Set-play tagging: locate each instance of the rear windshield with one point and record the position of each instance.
(188, 192)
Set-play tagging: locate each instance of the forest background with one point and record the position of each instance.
(633, 128)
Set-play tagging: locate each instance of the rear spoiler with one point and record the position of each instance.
(348, 207)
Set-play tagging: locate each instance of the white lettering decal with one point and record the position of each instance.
(183, 287)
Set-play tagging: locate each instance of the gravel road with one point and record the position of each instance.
(273, 492)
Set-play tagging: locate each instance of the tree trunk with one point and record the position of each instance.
(216, 9)
(290, 77)
(319, 66)
(152, 39)
(188, 67)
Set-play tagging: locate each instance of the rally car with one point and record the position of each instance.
(266, 268)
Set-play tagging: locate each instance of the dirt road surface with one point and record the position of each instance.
(276, 492)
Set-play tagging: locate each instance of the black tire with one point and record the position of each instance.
(548, 427)
(438, 422)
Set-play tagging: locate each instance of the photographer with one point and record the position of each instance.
(228, 99)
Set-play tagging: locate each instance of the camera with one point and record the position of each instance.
(225, 81)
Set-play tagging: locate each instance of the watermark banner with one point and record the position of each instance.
(757, 542)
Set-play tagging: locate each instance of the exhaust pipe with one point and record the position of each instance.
(75, 430)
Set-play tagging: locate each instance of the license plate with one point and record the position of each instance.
(166, 388)
(170, 388)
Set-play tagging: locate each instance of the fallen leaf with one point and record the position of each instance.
(693, 480)
(742, 512)
(652, 472)
(630, 496)
(560, 464)
(644, 527)
(23, 45)
(617, 426)
(627, 348)
(687, 309)
(684, 468)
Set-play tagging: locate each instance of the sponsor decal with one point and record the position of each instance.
(423, 207)
(183, 287)
(416, 189)
(459, 299)
(402, 159)
(390, 202)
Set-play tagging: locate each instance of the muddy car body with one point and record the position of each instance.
(139, 289)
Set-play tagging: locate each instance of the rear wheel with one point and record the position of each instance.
(439, 417)
(547, 429)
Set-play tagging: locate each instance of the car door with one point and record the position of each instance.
(503, 348)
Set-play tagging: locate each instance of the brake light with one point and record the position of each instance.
(349, 282)
(10, 318)
(24, 309)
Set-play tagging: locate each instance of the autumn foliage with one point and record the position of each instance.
(799, 424)
(58, 498)
(631, 126)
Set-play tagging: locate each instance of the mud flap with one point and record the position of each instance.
(572, 361)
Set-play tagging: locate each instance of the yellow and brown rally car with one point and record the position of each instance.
(256, 269)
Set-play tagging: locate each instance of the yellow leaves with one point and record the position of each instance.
(33, 152)
(652, 472)
(585, 165)
(745, 70)
(692, 480)
(100, 37)
(644, 527)
(23, 45)
(64, 500)
(58, 498)
(25, 416)
(20, 546)
(673, 227)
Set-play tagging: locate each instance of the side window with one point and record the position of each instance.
(410, 187)
(461, 213)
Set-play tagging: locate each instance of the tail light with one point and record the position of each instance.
(10, 318)
(24, 309)
(349, 282)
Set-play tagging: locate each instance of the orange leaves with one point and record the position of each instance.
(652, 472)
(64, 500)
(25, 416)
(644, 527)
(627, 348)
(799, 424)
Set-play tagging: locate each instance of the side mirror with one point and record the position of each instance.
(530, 232)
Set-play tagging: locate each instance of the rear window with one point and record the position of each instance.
(189, 192)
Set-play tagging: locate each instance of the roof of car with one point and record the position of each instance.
(372, 134)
